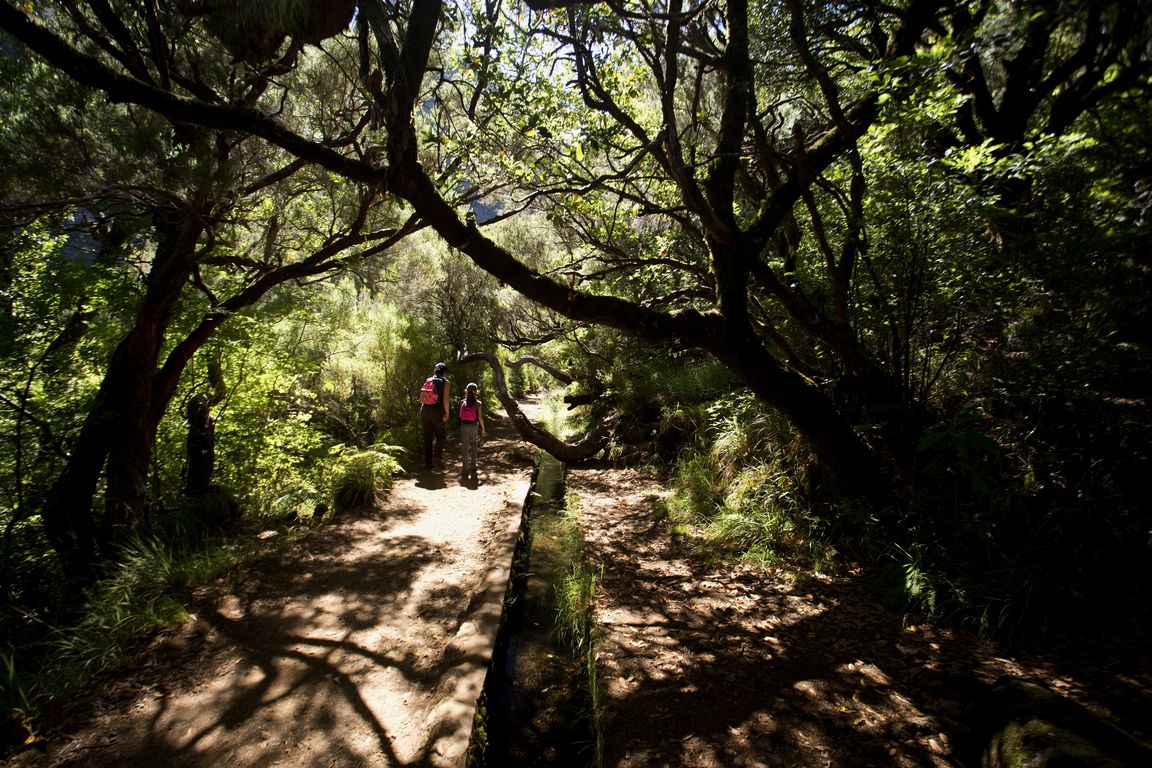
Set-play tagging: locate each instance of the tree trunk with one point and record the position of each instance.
(562, 376)
(853, 468)
(200, 448)
(126, 500)
(121, 425)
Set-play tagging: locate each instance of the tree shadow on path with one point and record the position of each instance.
(357, 646)
(724, 664)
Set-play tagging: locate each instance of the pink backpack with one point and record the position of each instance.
(467, 412)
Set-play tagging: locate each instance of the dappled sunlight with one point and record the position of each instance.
(727, 665)
(299, 646)
(869, 280)
(715, 664)
(366, 643)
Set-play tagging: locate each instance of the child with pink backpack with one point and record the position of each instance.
(471, 430)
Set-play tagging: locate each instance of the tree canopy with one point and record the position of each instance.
(857, 209)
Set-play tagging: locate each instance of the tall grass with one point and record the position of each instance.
(739, 484)
(575, 597)
(574, 594)
(15, 705)
(151, 588)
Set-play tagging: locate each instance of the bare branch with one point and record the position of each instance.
(561, 376)
(587, 447)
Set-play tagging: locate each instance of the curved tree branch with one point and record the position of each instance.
(561, 376)
(588, 446)
(90, 71)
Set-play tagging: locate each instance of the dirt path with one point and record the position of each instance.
(726, 665)
(367, 645)
(364, 645)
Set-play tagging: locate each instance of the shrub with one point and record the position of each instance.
(361, 476)
(740, 483)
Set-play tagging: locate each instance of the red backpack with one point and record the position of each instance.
(428, 393)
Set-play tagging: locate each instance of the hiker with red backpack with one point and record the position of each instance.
(471, 430)
(434, 399)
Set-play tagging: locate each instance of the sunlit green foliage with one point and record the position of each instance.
(60, 318)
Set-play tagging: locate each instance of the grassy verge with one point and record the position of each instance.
(575, 600)
(151, 589)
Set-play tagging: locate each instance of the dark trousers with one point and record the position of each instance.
(435, 433)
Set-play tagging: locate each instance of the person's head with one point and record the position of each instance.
(441, 369)
(471, 391)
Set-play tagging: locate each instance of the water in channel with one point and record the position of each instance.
(536, 711)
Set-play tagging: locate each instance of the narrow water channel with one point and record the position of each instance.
(535, 710)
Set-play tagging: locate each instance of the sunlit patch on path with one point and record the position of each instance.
(365, 644)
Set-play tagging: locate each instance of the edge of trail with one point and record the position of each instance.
(365, 643)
